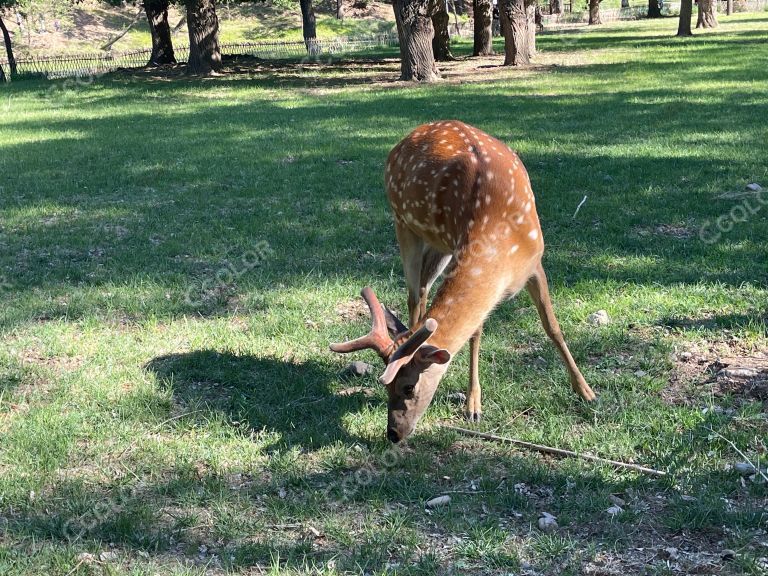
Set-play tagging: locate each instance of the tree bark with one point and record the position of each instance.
(532, 22)
(12, 70)
(729, 7)
(514, 26)
(441, 43)
(339, 9)
(556, 7)
(414, 29)
(654, 10)
(684, 24)
(483, 32)
(203, 25)
(308, 24)
(594, 12)
(160, 29)
(707, 14)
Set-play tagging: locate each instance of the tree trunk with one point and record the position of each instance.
(160, 29)
(308, 24)
(483, 33)
(654, 10)
(203, 25)
(2, 75)
(533, 20)
(441, 43)
(12, 71)
(514, 27)
(594, 12)
(339, 9)
(707, 14)
(729, 7)
(556, 7)
(684, 24)
(414, 28)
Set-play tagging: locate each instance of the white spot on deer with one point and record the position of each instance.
(527, 207)
(489, 175)
(476, 271)
(510, 199)
(477, 203)
(513, 249)
(519, 219)
(533, 234)
(485, 219)
(487, 198)
(470, 224)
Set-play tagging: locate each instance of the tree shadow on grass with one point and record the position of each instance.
(758, 317)
(178, 219)
(293, 399)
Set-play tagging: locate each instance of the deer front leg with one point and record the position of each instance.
(473, 408)
(539, 291)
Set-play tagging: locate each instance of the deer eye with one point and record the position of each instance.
(408, 389)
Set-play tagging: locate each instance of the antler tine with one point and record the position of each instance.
(379, 321)
(378, 338)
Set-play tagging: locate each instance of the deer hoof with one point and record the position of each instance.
(473, 417)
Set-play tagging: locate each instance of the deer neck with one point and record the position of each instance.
(463, 302)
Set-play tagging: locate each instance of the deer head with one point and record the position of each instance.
(413, 367)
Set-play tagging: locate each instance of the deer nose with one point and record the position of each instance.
(393, 436)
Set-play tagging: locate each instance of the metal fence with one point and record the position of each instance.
(78, 65)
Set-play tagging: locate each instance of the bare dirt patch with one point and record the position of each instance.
(679, 231)
(719, 370)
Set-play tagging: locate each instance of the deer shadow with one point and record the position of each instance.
(293, 399)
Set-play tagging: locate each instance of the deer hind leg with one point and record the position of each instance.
(433, 263)
(473, 409)
(539, 291)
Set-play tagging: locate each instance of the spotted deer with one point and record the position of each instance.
(463, 205)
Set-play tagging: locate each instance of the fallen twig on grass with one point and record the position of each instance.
(579, 207)
(556, 451)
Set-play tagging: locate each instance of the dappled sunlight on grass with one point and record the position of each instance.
(162, 392)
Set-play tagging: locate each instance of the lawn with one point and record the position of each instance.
(176, 255)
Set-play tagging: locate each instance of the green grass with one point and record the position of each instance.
(174, 435)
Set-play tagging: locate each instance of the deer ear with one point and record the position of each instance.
(433, 355)
(394, 326)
